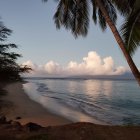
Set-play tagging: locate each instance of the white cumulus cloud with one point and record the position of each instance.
(92, 64)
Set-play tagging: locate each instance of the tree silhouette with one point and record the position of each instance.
(9, 69)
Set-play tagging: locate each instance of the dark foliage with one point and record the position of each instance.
(9, 69)
(74, 15)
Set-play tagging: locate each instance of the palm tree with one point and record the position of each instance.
(74, 16)
(119, 40)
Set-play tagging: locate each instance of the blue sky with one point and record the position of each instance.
(39, 41)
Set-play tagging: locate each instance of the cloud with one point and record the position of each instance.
(92, 64)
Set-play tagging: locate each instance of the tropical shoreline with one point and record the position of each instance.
(25, 118)
(21, 106)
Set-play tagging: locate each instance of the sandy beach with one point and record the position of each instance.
(20, 105)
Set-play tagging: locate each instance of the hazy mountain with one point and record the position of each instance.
(126, 76)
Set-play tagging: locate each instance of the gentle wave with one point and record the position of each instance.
(113, 102)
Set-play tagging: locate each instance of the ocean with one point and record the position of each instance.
(101, 101)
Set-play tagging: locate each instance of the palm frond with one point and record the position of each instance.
(94, 12)
(58, 15)
(71, 15)
(102, 21)
(130, 31)
(110, 9)
(124, 6)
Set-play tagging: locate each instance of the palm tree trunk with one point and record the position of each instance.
(119, 40)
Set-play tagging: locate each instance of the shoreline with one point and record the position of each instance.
(34, 116)
(21, 106)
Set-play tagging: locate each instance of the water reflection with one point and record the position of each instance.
(55, 106)
(72, 86)
(88, 100)
(95, 88)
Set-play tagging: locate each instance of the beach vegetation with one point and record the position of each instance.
(130, 29)
(9, 68)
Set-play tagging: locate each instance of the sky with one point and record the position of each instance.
(57, 51)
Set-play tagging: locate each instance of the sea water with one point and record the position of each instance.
(115, 102)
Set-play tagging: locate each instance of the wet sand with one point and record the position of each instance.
(29, 111)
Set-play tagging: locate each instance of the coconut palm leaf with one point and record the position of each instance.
(71, 15)
(74, 15)
(130, 31)
(111, 10)
(124, 6)
(94, 13)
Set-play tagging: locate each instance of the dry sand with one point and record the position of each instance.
(29, 111)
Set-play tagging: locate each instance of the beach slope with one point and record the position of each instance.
(26, 117)
(21, 106)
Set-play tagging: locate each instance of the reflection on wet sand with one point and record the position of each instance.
(55, 106)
